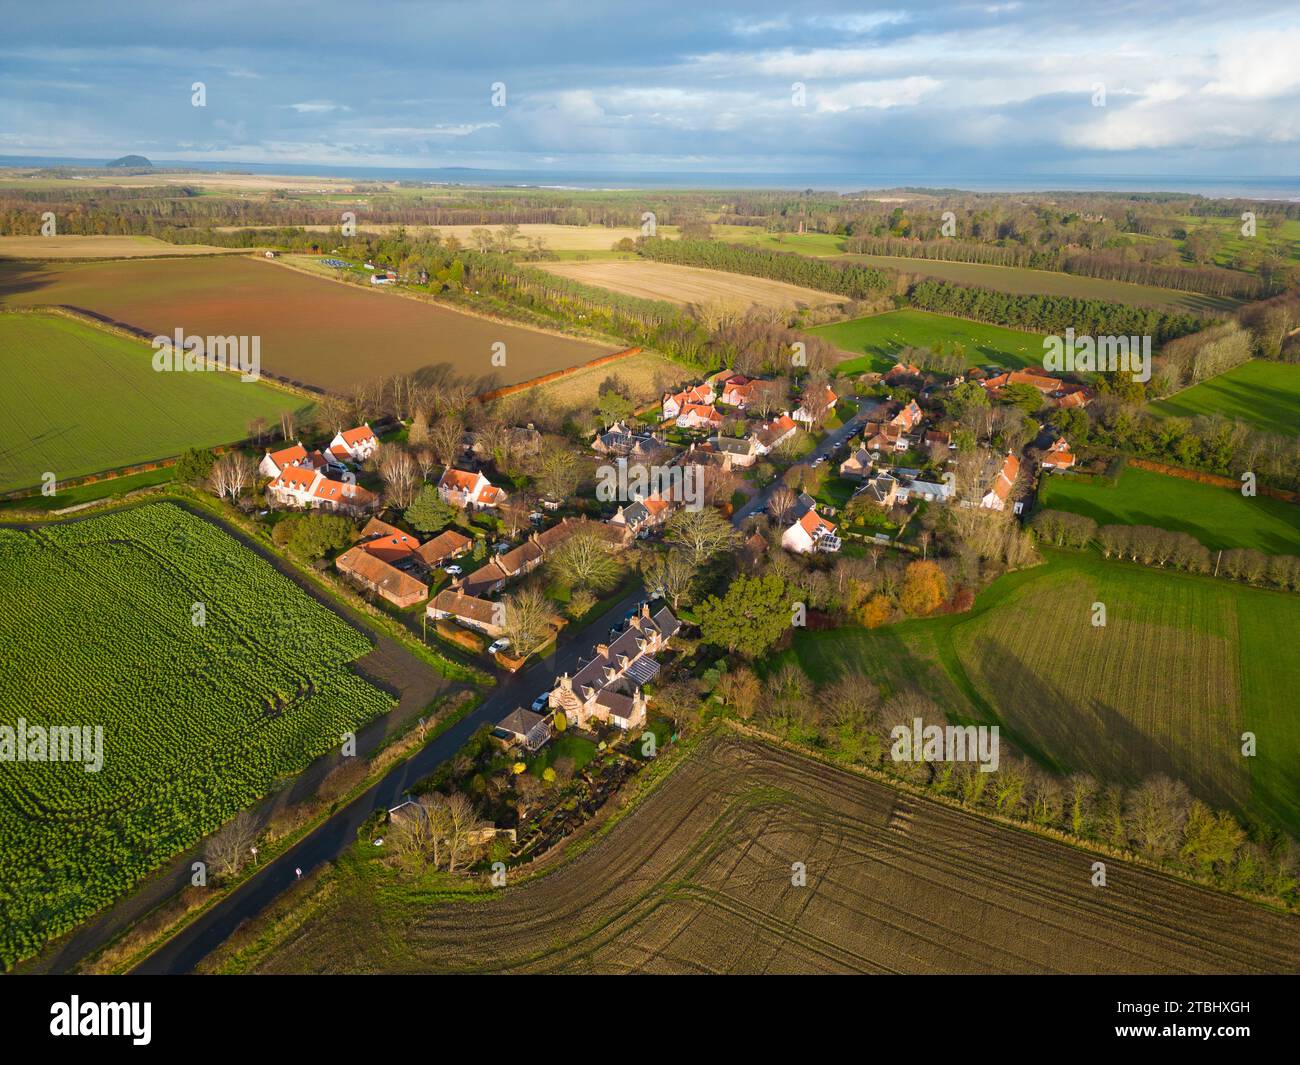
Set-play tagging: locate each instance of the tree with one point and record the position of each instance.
(464, 829)
(401, 475)
(557, 472)
(924, 588)
(613, 407)
(700, 533)
(418, 434)
(782, 503)
(877, 611)
(584, 560)
(740, 688)
(195, 465)
(1155, 813)
(312, 536)
(429, 512)
(229, 847)
(752, 615)
(580, 602)
(231, 474)
(444, 439)
(527, 621)
(670, 572)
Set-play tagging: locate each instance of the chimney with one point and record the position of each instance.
(602, 650)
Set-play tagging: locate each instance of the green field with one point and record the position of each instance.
(199, 721)
(78, 400)
(1283, 236)
(880, 339)
(1183, 666)
(1263, 394)
(1218, 517)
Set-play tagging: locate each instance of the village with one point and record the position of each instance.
(816, 474)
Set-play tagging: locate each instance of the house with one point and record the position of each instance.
(699, 416)
(470, 611)
(1004, 481)
(608, 687)
(697, 395)
(383, 277)
(373, 572)
(387, 542)
(929, 491)
(857, 467)
(354, 445)
(443, 548)
(619, 440)
(903, 371)
(881, 489)
(738, 390)
(742, 452)
(1056, 393)
(300, 486)
(642, 515)
(816, 405)
(525, 729)
(934, 436)
(811, 532)
(771, 435)
(1058, 456)
(275, 462)
(469, 490)
(906, 419)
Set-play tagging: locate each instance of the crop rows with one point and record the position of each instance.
(198, 720)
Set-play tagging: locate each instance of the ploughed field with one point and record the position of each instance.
(79, 399)
(75, 246)
(325, 334)
(199, 720)
(688, 284)
(697, 879)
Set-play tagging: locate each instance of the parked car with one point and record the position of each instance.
(499, 645)
(452, 571)
(539, 704)
(501, 549)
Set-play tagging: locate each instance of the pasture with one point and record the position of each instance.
(1261, 393)
(697, 879)
(79, 399)
(643, 373)
(878, 340)
(1183, 666)
(689, 284)
(1218, 517)
(325, 334)
(198, 721)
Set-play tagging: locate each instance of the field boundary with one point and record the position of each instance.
(556, 375)
(1213, 479)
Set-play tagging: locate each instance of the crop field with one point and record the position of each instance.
(1023, 281)
(79, 247)
(1218, 517)
(1261, 393)
(878, 340)
(689, 284)
(316, 332)
(198, 720)
(697, 879)
(78, 399)
(1182, 667)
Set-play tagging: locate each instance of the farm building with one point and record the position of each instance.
(371, 571)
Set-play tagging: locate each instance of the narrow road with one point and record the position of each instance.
(327, 842)
(336, 835)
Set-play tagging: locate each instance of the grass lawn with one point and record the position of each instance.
(879, 339)
(1184, 665)
(579, 748)
(90, 493)
(1263, 394)
(1218, 517)
(78, 400)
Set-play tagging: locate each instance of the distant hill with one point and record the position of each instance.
(131, 160)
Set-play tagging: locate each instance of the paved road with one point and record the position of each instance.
(336, 835)
(829, 444)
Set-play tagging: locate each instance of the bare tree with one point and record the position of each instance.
(444, 438)
(230, 846)
(701, 533)
(401, 476)
(527, 621)
(231, 474)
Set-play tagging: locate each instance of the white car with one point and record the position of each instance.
(452, 571)
(500, 645)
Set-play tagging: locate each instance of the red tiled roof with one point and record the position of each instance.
(358, 435)
(300, 477)
(286, 456)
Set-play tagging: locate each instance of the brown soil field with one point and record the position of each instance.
(697, 879)
(313, 331)
(688, 284)
(78, 247)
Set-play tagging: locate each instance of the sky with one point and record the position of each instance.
(1184, 89)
